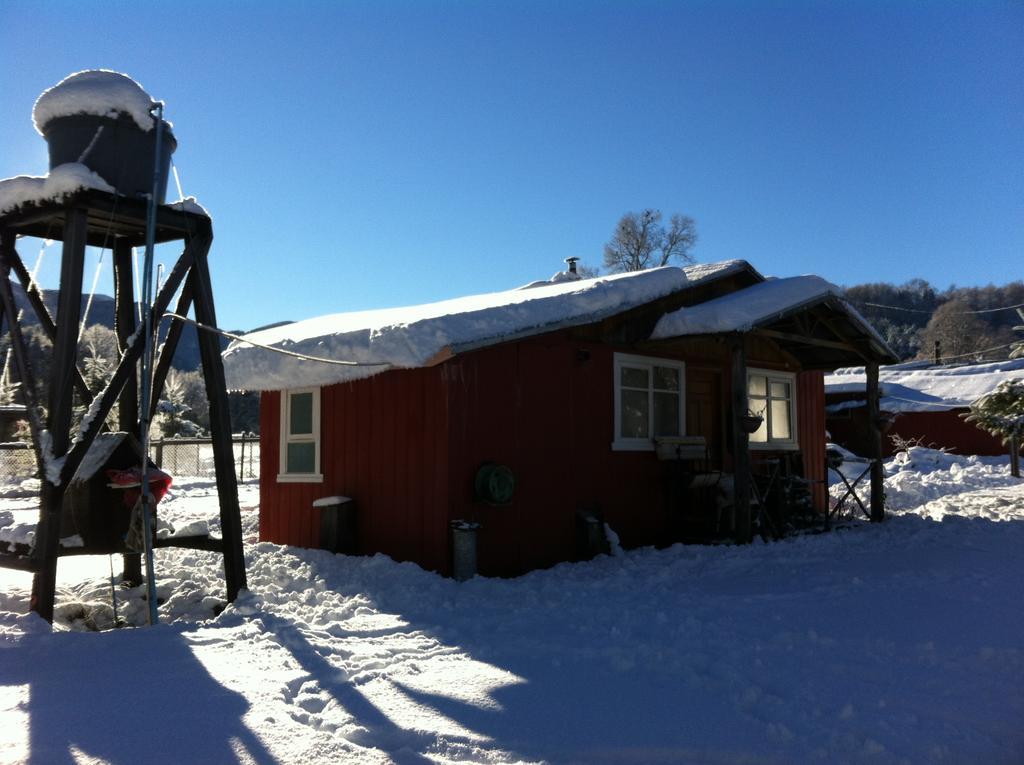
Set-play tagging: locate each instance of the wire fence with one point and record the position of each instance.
(17, 463)
(178, 456)
(194, 456)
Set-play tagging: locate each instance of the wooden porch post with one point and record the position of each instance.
(741, 443)
(875, 444)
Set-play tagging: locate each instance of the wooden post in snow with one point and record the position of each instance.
(220, 423)
(128, 401)
(1015, 454)
(62, 373)
(741, 444)
(875, 444)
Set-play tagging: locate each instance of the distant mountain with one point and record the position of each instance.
(186, 357)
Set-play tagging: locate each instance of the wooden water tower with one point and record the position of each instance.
(99, 119)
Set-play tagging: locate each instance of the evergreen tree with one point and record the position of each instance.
(1001, 413)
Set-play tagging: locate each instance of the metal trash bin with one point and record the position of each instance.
(591, 540)
(464, 554)
(337, 524)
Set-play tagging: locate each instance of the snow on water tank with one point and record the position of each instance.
(102, 119)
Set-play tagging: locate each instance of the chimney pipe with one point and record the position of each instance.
(572, 264)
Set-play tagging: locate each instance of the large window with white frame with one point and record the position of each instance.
(772, 395)
(649, 400)
(300, 436)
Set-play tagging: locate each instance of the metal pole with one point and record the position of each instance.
(147, 366)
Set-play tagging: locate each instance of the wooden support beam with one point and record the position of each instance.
(35, 299)
(741, 443)
(17, 562)
(220, 428)
(875, 444)
(209, 543)
(790, 337)
(124, 328)
(128, 401)
(170, 345)
(198, 542)
(18, 347)
(65, 350)
(126, 367)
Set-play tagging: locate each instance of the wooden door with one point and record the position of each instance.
(704, 413)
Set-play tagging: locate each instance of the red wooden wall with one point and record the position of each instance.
(943, 429)
(383, 443)
(406, 446)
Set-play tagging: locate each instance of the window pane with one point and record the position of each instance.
(757, 385)
(302, 458)
(780, 390)
(780, 421)
(666, 414)
(666, 378)
(634, 414)
(633, 377)
(301, 415)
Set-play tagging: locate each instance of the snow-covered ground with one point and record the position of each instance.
(900, 642)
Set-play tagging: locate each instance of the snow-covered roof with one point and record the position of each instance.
(95, 91)
(755, 306)
(415, 336)
(744, 309)
(921, 387)
(62, 181)
(703, 272)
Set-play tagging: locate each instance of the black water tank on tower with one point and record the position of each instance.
(102, 120)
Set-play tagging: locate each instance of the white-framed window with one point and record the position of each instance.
(649, 400)
(772, 395)
(300, 436)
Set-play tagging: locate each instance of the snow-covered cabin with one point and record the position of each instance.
(566, 383)
(925, 402)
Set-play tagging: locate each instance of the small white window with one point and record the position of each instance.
(773, 396)
(648, 400)
(300, 436)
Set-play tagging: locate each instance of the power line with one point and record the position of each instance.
(241, 338)
(980, 352)
(920, 310)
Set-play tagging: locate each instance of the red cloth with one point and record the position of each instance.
(131, 481)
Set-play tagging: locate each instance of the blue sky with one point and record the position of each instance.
(359, 155)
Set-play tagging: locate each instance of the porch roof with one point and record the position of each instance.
(806, 315)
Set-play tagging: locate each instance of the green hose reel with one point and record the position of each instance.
(494, 484)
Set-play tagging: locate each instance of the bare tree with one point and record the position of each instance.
(641, 241)
(960, 333)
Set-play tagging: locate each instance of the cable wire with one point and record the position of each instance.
(243, 339)
(921, 310)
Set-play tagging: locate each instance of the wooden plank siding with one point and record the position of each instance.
(407, 444)
(810, 393)
(379, 445)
